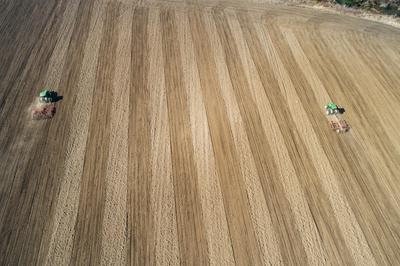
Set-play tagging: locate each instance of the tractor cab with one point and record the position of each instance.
(47, 96)
(331, 109)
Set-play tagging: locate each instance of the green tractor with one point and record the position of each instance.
(332, 109)
(47, 96)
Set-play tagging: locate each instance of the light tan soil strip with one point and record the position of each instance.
(220, 247)
(346, 219)
(289, 239)
(68, 199)
(191, 230)
(162, 190)
(114, 221)
(88, 228)
(140, 217)
(244, 241)
(260, 216)
(304, 222)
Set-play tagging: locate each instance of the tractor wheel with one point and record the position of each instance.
(328, 112)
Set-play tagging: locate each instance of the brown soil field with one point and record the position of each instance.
(194, 133)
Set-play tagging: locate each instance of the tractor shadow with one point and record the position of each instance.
(341, 110)
(57, 98)
(53, 96)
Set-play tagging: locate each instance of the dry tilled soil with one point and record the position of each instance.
(195, 133)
